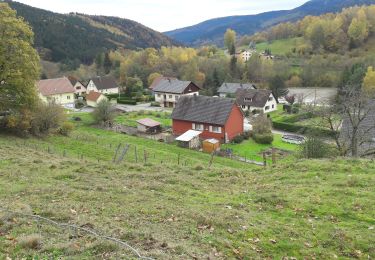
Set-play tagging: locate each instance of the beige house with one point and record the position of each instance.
(59, 91)
(245, 55)
(94, 98)
(104, 85)
(80, 89)
(256, 100)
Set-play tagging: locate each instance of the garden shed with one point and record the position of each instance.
(190, 139)
(148, 126)
(211, 145)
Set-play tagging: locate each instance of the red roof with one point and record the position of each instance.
(93, 96)
(49, 87)
(148, 122)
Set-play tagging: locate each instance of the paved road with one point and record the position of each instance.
(314, 95)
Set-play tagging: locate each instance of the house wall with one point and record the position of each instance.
(235, 124)
(91, 87)
(173, 98)
(180, 127)
(66, 99)
(80, 89)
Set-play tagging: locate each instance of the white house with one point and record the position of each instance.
(94, 98)
(256, 99)
(104, 85)
(230, 89)
(59, 90)
(80, 89)
(168, 91)
(245, 55)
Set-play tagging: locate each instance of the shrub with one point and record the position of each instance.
(262, 124)
(104, 113)
(126, 101)
(247, 135)
(238, 139)
(295, 110)
(155, 104)
(66, 128)
(47, 118)
(79, 104)
(314, 148)
(30, 242)
(266, 138)
(158, 115)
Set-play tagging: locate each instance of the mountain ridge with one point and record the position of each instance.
(211, 31)
(78, 38)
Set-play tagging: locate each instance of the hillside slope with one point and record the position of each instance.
(306, 209)
(212, 31)
(81, 37)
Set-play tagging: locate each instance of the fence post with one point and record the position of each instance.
(264, 159)
(178, 159)
(273, 156)
(212, 158)
(135, 154)
(117, 150)
(145, 156)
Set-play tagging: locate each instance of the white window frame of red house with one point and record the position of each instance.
(218, 129)
(198, 127)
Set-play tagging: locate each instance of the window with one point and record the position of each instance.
(273, 106)
(216, 129)
(78, 88)
(243, 106)
(270, 99)
(198, 127)
(267, 108)
(177, 97)
(159, 95)
(68, 97)
(170, 96)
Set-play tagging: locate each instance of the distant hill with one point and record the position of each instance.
(79, 37)
(212, 31)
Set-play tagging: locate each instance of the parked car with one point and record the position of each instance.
(293, 139)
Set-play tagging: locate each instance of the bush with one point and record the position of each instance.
(295, 110)
(262, 124)
(47, 118)
(266, 138)
(247, 135)
(314, 148)
(104, 113)
(79, 104)
(155, 104)
(126, 101)
(66, 128)
(238, 139)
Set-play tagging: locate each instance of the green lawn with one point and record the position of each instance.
(251, 150)
(130, 119)
(280, 47)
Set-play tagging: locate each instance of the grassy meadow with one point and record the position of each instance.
(304, 209)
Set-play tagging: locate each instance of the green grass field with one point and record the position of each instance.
(251, 150)
(278, 47)
(321, 209)
(130, 119)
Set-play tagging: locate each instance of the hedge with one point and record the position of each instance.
(293, 128)
(263, 138)
(126, 101)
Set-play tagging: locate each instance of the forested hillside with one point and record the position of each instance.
(78, 38)
(211, 31)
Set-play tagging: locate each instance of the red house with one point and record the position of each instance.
(215, 117)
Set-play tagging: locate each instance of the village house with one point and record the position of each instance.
(59, 91)
(230, 89)
(256, 100)
(158, 80)
(94, 98)
(244, 55)
(218, 118)
(168, 91)
(80, 89)
(104, 85)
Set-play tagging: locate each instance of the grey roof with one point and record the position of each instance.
(106, 82)
(253, 97)
(231, 88)
(171, 85)
(202, 109)
(366, 136)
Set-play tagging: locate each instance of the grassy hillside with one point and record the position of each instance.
(79, 38)
(312, 209)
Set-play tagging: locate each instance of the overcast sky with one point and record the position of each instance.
(164, 15)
